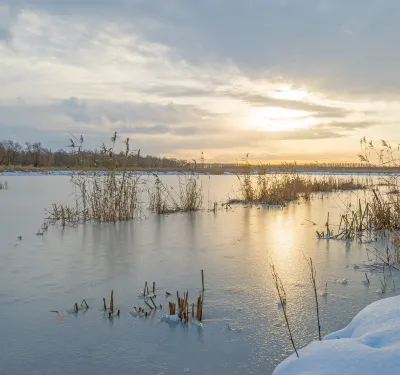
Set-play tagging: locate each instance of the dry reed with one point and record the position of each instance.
(281, 189)
(165, 199)
(282, 298)
(378, 212)
(106, 197)
(313, 274)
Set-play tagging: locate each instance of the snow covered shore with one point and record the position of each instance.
(369, 345)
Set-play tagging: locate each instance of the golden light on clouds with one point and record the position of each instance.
(286, 92)
(279, 119)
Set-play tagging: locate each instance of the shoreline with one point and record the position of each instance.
(368, 171)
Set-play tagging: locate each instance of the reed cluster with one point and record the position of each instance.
(3, 185)
(165, 199)
(281, 189)
(378, 211)
(108, 197)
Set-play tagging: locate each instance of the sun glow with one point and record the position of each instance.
(279, 119)
(286, 92)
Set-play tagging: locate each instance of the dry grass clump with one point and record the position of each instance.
(165, 199)
(108, 197)
(378, 211)
(3, 185)
(282, 189)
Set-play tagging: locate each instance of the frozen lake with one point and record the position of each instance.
(234, 247)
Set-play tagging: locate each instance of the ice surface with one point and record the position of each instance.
(368, 345)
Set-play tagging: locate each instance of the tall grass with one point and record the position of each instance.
(102, 197)
(378, 211)
(106, 197)
(282, 189)
(165, 199)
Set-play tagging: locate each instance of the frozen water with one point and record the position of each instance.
(39, 274)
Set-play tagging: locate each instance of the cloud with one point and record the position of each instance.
(182, 76)
(332, 45)
(259, 100)
(347, 125)
(91, 116)
(178, 91)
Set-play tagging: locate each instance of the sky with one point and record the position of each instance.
(282, 80)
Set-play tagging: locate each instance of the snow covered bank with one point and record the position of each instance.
(369, 345)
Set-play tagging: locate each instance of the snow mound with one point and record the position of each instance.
(368, 345)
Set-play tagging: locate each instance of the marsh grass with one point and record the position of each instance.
(280, 190)
(3, 185)
(378, 211)
(187, 197)
(102, 197)
(109, 197)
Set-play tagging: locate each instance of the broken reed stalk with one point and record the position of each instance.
(366, 276)
(154, 287)
(202, 279)
(112, 301)
(145, 287)
(84, 301)
(172, 308)
(281, 293)
(76, 307)
(313, 274)
(199, 314)
(104, 304)
(185, 307)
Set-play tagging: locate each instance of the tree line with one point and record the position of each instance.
(74, 156)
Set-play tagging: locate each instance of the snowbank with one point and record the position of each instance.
(370, 344)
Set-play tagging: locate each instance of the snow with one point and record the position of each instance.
(171, 318)
(368, 345)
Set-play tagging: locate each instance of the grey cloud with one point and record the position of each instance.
(4, 34)
(177, 91)
(99, 112)
(148, 130)
(338, 45)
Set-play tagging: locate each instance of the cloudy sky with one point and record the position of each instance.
(280, 79)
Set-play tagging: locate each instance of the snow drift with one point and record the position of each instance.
(370, 344)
